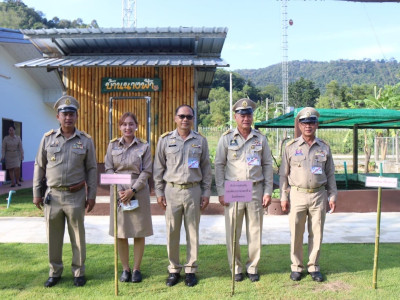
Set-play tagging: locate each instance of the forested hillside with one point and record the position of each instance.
(345, 72)
(15, 14)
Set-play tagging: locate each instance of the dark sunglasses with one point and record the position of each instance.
(189, 117)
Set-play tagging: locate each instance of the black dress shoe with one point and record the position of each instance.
(79, 281)
(295, 276)
(190, 279)
(136, 276)
(316, 276)
(125, 276)
(173, 279)
(52, 281)
(239, 277)
(253, 277)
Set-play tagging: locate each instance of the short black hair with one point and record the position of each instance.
(183, 105)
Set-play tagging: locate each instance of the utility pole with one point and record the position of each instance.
(129, 14)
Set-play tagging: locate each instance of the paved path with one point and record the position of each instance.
(339, 228)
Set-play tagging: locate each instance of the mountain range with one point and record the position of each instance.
(345, 72)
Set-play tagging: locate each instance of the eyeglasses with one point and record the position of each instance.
(189, 117)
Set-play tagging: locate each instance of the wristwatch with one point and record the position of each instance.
(133, 190)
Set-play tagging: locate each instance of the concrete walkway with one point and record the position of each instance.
(339, 228)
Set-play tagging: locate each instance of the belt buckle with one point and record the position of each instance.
(309, 191)
(184, 186)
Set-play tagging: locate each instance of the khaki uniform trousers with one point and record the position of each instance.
(311, 208)
(182, 204)
(254, 213)
(70, 207)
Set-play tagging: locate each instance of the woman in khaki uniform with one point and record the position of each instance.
(13, 154)
(129, 154)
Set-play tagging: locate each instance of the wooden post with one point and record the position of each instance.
(234, 248)
(377, 233)
(115, 241)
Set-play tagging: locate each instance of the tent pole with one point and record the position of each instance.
(355, 149)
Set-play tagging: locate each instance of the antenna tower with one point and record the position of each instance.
(285, 72)
(129, 13)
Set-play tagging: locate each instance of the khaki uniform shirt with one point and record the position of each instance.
(240, 159)
(307, 167)
(134, 159)
(182, 161)
(12, 144)
(65, 162)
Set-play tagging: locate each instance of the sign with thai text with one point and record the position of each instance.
(388, 182)
(109, 85)
(115, 178)
(238, 191)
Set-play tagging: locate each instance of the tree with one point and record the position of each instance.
(251, 91)
(16, 15)
(219, 106)
(203, 113)
(332, 97)
(272, 92)
(222, 79)
(303, 93)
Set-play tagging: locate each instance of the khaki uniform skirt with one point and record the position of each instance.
(133, 223)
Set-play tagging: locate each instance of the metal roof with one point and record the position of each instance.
(126, 60)
(131, 41)
(95, 47)
(21, 49)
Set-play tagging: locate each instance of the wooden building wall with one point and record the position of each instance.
(84, 83)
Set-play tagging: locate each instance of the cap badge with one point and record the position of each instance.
(308, 114)
(244, 103)
(68, 102)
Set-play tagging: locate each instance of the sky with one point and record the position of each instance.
(321, 31)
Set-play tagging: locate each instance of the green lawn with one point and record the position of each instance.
(21, 205)
(347, 269)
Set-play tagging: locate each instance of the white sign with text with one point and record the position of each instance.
(238, 191)
(115, 178)
(387, 182)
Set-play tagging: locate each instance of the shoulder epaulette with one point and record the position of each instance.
(228, 131)
(113, 140)
(196, 132)
(290, 142)
(49, 132)
(142, 141)
(326, 143)
(165, 134)
(256, 130)
(87, 135)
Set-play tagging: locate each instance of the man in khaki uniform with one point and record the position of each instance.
(182, 178)
(66, 159)
(307, 180)
(243, 154)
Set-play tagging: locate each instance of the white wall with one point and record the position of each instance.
(21, 99)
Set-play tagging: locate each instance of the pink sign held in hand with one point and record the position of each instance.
(2, 176)
(238, 191)
(115, 178)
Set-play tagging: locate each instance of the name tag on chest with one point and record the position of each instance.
(316, 170)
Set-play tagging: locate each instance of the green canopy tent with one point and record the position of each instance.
(343, 118)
